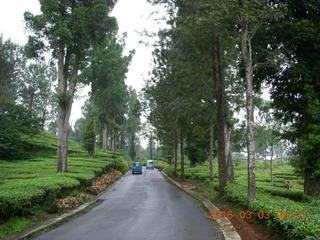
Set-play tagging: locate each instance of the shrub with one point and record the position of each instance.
(269, 198)
(29, 184)
(15, 121)
(121, 166)
(16, 197)
(169, 170)
(296, 228)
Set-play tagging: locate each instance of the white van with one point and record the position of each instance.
(150, 164)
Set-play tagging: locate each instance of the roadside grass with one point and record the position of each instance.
(30, 187)
(291, 211)
(14, 225)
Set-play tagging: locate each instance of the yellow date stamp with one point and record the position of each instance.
(251, 215)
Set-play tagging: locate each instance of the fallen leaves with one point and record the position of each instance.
(72, 202)
(102, 182)
(98, 186)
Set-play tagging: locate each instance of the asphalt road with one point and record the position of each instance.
(139, 207)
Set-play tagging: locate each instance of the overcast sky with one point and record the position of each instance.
(133, 17)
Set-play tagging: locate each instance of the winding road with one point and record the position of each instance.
(139, 207)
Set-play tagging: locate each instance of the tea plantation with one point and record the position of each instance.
(284, 196)
(27, 185)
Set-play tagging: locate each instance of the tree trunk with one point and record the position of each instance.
(175, 156)
(105, 137)
(247, 60)
(311, 184)
(62, 139)
(221, 114)
(62, 107)
(93, 109)
(182, 153)
(44, 111)
(170, 156)
(230, 168)
(132, 151)
(43, 118)
(117, 142)
(150, 148)
(65, 99)
(265, 158)
(229, 162)
(31, 99)
(211, 159)
(271, 161)
(110, 141)
(114, 135)
(192, 164)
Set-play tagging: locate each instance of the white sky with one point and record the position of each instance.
(133, 17)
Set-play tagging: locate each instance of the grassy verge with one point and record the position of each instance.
(29, 188)
(280, 206)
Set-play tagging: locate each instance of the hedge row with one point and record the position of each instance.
(303, 227)
(17, 197)
(274, 199)
(33, 182)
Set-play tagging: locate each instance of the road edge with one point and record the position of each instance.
(56, 220)
(228, 230)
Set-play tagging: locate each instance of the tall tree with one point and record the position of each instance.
(251, 15)
(71, 28)
(35, 87)
(10, 55)
(107, 77)
(295, 85)
(133, 122)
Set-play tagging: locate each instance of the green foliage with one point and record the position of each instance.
(15, 121)
(181, 95)
(9, 62)
(71, 30)
(121, 165)
(89, 135)
(26, 183)
(17, 196)
(269, 198)
(25, 82)
(109, 78)
(308, 160)
(197, 145)
(132, 149)
(78, 130)
(109, 94)
(14, 225)
(296, 228)
(292, 40)
(63, 98)
(72, 25)
(133, 124)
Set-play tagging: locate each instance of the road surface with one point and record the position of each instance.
(139, 207)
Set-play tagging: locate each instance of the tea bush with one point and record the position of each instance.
(26, 183)
(274, 198)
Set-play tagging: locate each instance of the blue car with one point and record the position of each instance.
(137, 168)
